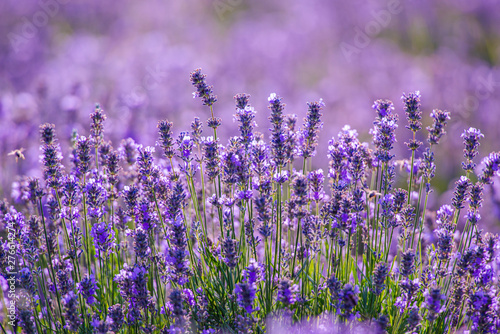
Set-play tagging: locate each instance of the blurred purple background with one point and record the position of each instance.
(58, 58)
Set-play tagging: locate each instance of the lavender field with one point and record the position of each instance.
(229, 166)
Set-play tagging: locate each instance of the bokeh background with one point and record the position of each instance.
(58, 58)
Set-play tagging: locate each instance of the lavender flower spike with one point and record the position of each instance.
(471, 141)
(88, 288)
(436, 131)
(311, 128)
(432, 303)
(203, 90)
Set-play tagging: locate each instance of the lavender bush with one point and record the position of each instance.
(196, 237)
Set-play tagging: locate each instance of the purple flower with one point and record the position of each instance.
(233, 164)
(166, 137)
(407, 263)
(432, 302)
(380, 274)
(26, 321)
(230, 252)
(214, 122)
(104, 238)
(245, 296)
(146, 168)
(185, 147)
(63, 270)
(35, 193)
(491, 166)
(384, 129)
(414, 116)
(141, 243)
(99, 326)
(82, 160)
(334, 286)
(196, 130)
(476, 196)
(88, 289)
(444, 214)
(130, 195)
(203, 91)
(245, 116)
(176, 307)
(444, 243)
(436, 131)
(115, 318)
(409, 293)
(254, 273)
(414, 319)
(483, 310)
(128, 151)
(278, 134)
(349, 297)
(71, 191)
(211, 157)
(52, 162)
(287, 292)
(471, 141)
(461, 192)
(311, 129)
(387, 210)
(428, 168)
(25, 279)
(299, 189)
(47, 134)
(146, 216)
(383, 108)
(71, 315)
(175, 202)
(96, 127)
(96, 197)
(316, 179)
(311, 229)
(132, 282)
(176, 255)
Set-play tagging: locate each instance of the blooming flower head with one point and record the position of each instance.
(311, 129)
(246, 117)
(96, 127)
(379, 276)
(204, 91)
(471, 141)
(166, 137)
(349, 297)
(384, 129)
(88, 289)
(211, 157)
(255, 272)
(287, 291)
(196, 130)
(245, 294)
(128, 151)
(461, 192)
(414, 116)
(433, 303)
(316, 179)
(185, 146)
(96, 197)
(436, 131)
(104, 238)
(491, 166)
(71, 314)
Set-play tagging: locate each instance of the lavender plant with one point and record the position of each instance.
(208, 238)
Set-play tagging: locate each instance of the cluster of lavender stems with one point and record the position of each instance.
(198, 237)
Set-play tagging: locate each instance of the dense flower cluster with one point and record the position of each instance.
(205, 237)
